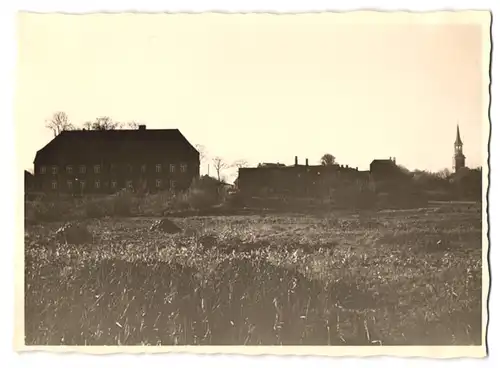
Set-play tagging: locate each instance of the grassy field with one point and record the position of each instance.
(394, 277)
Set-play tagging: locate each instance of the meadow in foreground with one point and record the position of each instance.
(407, 277)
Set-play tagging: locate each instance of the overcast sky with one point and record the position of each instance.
(264, 88)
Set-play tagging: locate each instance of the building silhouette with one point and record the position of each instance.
(296, 179)
(385, 169)
(29, 181)
(105, 161)
(458, 158)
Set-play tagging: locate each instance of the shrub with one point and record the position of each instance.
(122, 203)
(356, 196)
(467, 184)
(118, 204)
(156, 203)
(366, 199)
(178, 201)
(402, 198)
(204, 193)
(95, 209)
(201, 198)
(235, 200)
(47, 210)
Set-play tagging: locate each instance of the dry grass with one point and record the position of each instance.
(343, 278)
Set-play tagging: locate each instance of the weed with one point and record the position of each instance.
(336, 279)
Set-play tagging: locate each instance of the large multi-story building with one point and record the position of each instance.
(315, 180)
(104, 161)
(296, 179)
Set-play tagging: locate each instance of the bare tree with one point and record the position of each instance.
(87, 125)
(219, 165)
(132, 125)
(202, 151)
(328, 160)
(240, 163)
(444, 174)
(58, 123)
(105, 123)
(404, 170)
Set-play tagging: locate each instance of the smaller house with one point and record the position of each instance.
(29, 181)
(388, 175)
(384, 169)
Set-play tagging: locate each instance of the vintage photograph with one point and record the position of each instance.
(254, 179)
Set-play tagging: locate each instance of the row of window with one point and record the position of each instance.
(114, 184)
(82, 169)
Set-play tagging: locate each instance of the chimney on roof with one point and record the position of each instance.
(307, 162)
(296, 160)
(142, 127)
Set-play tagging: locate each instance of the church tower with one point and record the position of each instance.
(459, 158)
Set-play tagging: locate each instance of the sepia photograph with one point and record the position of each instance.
(253, 180)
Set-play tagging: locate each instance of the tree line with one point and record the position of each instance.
(466, 183)
(60, 122)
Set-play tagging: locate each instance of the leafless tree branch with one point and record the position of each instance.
(58, 123)
(105, 123)
(219, 165)
(132, 125)
(202, 150)
(240, 163)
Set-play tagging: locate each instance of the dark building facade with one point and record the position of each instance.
(29, 181)
(301, 180)
(316, 180)
(388, 176)
(105, 161)
(385, 169)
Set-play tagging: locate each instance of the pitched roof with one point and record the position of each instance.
(383, 161)
(88, 144)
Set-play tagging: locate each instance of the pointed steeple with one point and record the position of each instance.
(458, 141)
(459, 158)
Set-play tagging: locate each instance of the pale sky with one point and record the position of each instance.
(264, 88)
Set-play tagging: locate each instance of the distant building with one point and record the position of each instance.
(104, 161)
(269, 179)
(270, 164)
(388, 176)
(385, 169)
(29, 181)
(458, 158)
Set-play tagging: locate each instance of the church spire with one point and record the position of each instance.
(459, 158)
(458, 141)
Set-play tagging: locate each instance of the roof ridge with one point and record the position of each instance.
(76, 142)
